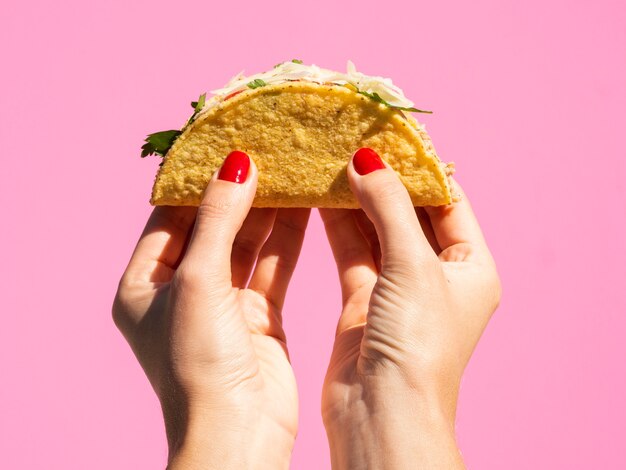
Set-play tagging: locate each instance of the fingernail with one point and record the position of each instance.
(235, 167)
(365, 161)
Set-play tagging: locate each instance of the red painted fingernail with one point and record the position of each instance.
(365, 161)
(235, 167)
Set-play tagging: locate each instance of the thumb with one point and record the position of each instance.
(225, 204)
(387, 204)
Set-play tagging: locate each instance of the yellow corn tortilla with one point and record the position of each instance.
(301, 136)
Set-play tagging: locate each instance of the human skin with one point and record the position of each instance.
(418, 285)
(205, 324)
(418, 288)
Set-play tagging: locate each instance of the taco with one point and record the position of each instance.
(300, 124)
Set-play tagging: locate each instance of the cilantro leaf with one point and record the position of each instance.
(198, 105)
(256, 83)
(159, 143)
(376, 97)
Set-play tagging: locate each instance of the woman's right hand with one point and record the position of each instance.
(418, 287)
(200, 304)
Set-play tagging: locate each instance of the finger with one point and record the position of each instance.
(427, 228)
(387, 204)
(355, 265)
(369, 232)
(222, 211)
(278, 257)
(248, 243)
(161, 244)
(351, 251)
(457, 229)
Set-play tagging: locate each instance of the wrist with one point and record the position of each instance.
(392, 430)
(225, 439)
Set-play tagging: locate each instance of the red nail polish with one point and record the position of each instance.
(235, 167)
(365, 161)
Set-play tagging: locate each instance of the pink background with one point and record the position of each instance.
(529, 100)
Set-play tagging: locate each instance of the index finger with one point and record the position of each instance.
(456, 225)
(161, 243)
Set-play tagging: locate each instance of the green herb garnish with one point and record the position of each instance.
(295, 61)
(256, 83)
(198, 105)
(160, 143)
(376, 97)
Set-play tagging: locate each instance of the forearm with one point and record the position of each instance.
(234, 454)
(221, 442)
(393, 437)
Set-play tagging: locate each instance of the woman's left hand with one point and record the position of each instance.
(200, 304)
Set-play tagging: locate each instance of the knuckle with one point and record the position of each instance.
(286, 262)
(122, 303)
(488, 283)
(333, 218)
(417, 265)
(291, 226)
(118, 315)
(186, 276)
(385, 189)
(196, 279)
(349, 254)
(213, 207)
(245, 247)
(496, 292)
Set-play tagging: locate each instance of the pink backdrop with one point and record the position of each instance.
(529, 100)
